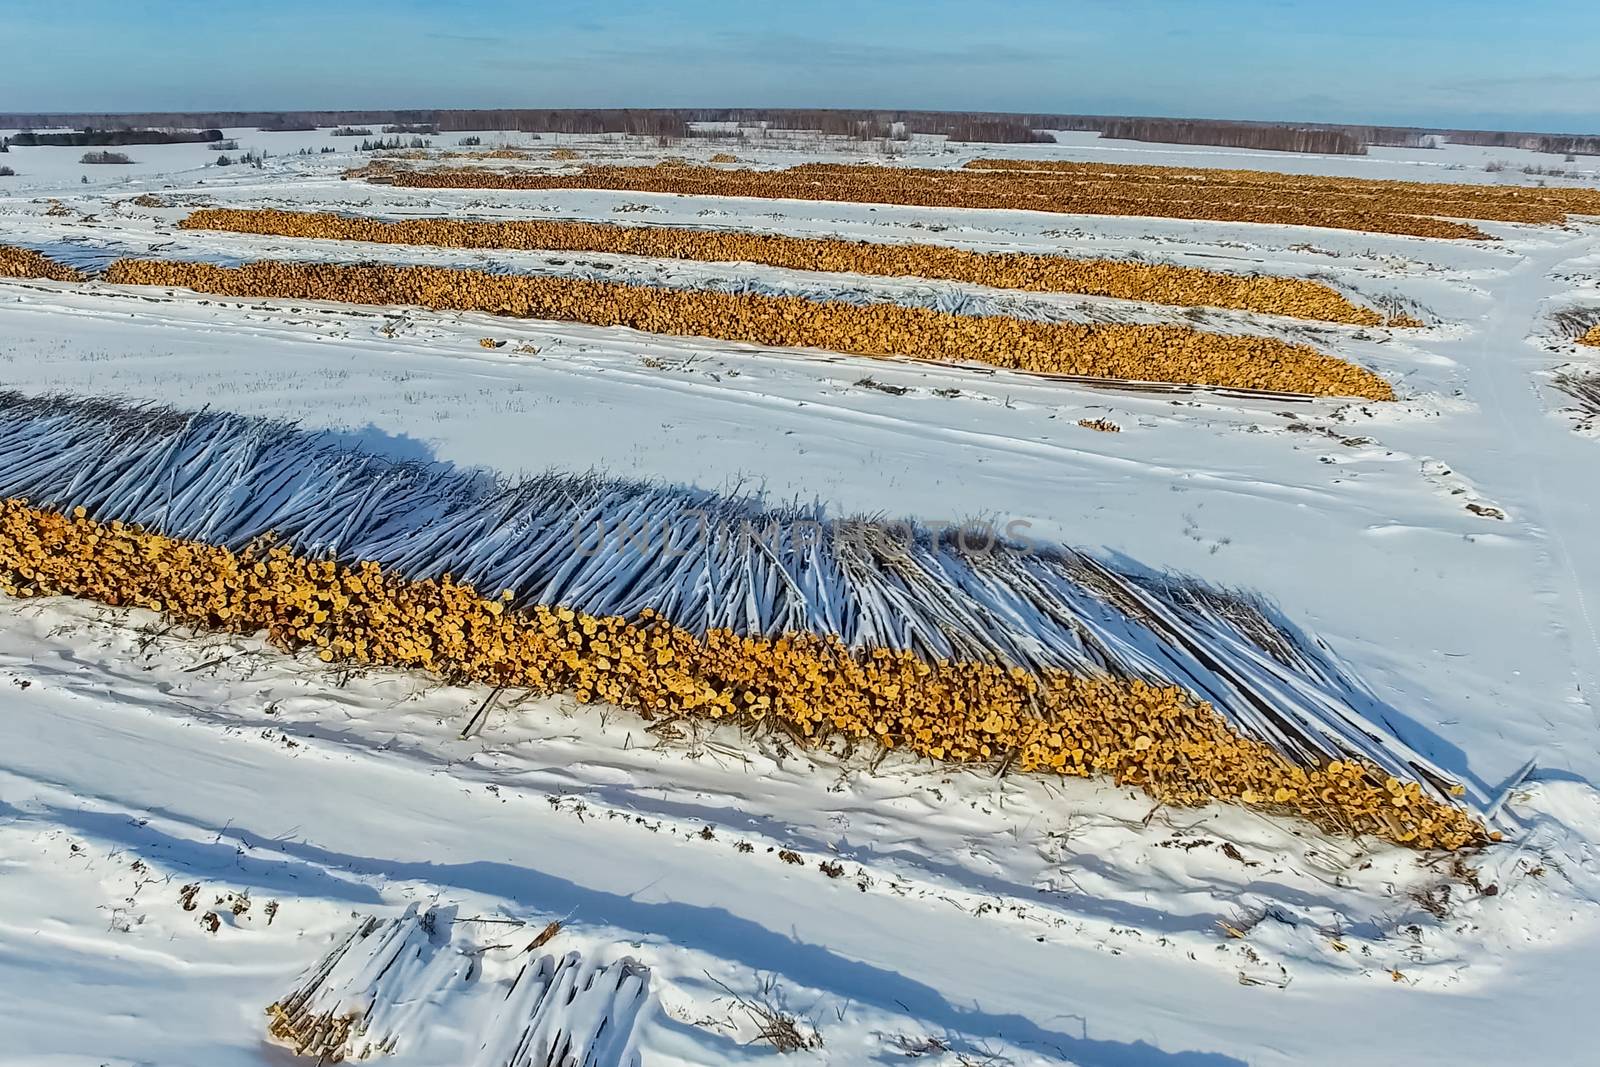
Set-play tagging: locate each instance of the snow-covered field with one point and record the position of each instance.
(1442, 546)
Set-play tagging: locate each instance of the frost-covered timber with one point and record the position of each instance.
(709, 565)
(388, 978)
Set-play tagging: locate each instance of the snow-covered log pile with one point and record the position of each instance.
(389, 978)
(1157, 283)
(956, 644)
(1415, 208)
(26, 263)
(1139, 352)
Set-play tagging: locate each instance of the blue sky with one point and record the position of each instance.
(1531, 65)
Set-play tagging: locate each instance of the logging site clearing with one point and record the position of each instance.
(479, 599)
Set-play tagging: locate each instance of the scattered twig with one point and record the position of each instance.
(775, 1026)
(475, 724)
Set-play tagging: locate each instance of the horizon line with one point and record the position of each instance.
(1309, 124)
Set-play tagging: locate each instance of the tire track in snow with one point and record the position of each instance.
(1540, 451)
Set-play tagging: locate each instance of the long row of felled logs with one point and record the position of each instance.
(1016, 191)
(813, 687)
(1131, 352)
(26, 263)
(1430, 195)
(1157, 283)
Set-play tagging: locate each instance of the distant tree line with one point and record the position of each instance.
(1398, 136)
(1238, 135)
(1570, 144)
(993, 131)
(647, 122)
(862, 124)
(90, 136)
(992, 127)
(391, 144)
